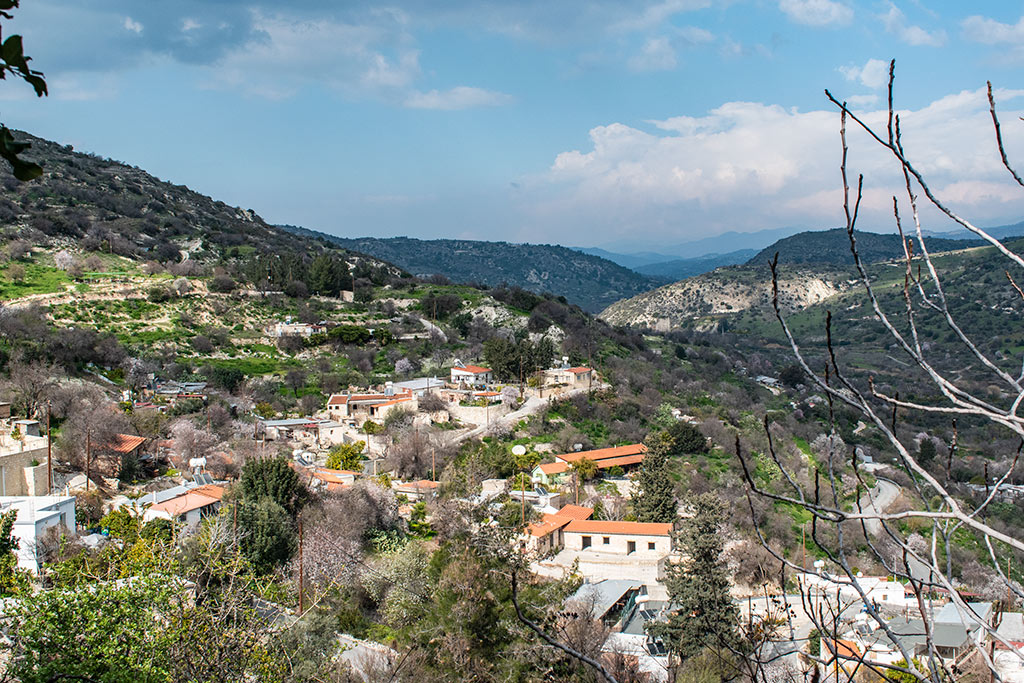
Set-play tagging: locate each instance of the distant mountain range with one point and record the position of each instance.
(589, 281)
(833, 247)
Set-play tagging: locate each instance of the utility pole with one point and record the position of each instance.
(88, 456)
(523, 500)
(300, 566)
(49, 453)
(433, 463)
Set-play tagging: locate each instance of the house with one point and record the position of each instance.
(291, 328)
(625, 457)
(611, 601)
(306, 428)
(171, 392)
(600, 549)
(546, 535)
(416, 490)
(421, 386)
(572, 377)
(470, 375)
(953, 632)
(22, 459)
(357, 408)
(189, 507)
(539, 498)
(331, 480)
(879, 590)
(1009, 661)
(37, 515)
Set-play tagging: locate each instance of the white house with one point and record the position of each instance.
(36, 516)
(189, 507)
(470, 375)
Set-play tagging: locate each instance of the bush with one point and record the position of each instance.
(158, 295)
(222, 283)
(371, 427)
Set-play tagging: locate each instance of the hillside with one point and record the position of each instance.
(589, 281)
(679, 269)
(833, 247)
(91, 204)
(725, 292)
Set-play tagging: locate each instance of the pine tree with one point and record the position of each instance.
(706, 617)
(654, 498)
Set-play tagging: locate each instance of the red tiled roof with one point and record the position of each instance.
(487, 393)
(587, 526)
(603, 453)
(474, 369)
(337, 400)
(125, 443)
(846, 649)
(421, 484)
(332, 476)
(577, 371)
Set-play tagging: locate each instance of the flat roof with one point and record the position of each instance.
(604, 594)
(593, 526)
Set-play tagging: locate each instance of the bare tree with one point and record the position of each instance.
(926, 565)
(191, 441)
(30, 384)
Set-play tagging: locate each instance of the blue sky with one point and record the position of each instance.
(628, 123)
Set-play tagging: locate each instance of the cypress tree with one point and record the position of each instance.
(654, 497)
(706, 617)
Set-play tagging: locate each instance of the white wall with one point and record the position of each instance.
(618, 544)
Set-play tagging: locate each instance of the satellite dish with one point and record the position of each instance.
(519, 449)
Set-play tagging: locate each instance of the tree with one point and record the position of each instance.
(583, 470)
(268, 539)
(273, 478)
(13, 61)
(16, 272)
(13, 580)
(296, 379)
(347, 456)
(964, 380)
(191, 441)
(706, 617)
(684, 438)
(792, 375)
(654, 495)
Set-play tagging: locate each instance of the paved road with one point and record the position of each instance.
(877, 500)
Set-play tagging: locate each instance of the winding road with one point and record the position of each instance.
(876, 501)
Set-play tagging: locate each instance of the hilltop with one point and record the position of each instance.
(590, 281)
(833, 247)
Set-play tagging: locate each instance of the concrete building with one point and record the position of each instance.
(421, 386)
(357, 408)
(599, 549)
(308, 429)
(22, 461)
(36, 517)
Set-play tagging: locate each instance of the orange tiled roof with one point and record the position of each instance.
(604, 453)
(549, 524)
(577, 371)
(474, 369)
(575, 512)
(559, 467)
(847, 649)
(332, 476)
(587, 526)
(125, 443)
(193, 500)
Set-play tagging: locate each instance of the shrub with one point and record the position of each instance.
(371, 427)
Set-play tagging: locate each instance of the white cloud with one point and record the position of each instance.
(874, 73)
(356, 59)
(657, 54)
(896, 23)
(654, 15)
(132, 25)
(862, 100)
(991, 32)
(189, 24)
(816, 12)
(461, 97)
(747, 164)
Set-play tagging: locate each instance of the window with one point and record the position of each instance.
(586, 542)
(650, 545)
(606, 540)
(630, 547)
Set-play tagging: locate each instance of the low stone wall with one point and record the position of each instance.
(477, 415)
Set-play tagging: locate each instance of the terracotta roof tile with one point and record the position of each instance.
(604, 453)
(575, 512)
(603, 527)
(474, 369)
(125, 443)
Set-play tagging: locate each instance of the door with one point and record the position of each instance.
(630, 547)
(586, 542)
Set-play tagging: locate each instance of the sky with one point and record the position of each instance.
(632, 124)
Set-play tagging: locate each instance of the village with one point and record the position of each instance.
(620, 563)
